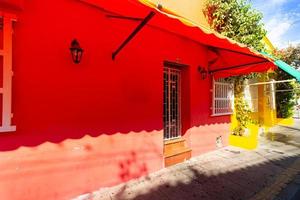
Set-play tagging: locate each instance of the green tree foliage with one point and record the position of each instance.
(237, 20)
(243, 115)
(285, 101)
(291, 55)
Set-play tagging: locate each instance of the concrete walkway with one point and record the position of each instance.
(228, 173)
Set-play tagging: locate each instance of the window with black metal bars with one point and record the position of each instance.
(171, 104)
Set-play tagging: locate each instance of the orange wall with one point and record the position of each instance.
(99, 123)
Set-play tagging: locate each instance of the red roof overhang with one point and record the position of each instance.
(11, 4)
(225, 56)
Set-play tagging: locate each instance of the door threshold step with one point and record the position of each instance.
(178, 152)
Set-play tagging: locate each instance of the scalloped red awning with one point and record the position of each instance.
(225, 57)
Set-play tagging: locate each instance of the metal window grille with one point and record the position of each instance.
(171, 112)
(223, 97)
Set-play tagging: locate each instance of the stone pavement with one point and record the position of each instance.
(228, 173)
(292, 191)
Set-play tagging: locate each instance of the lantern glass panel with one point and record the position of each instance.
(76, 51)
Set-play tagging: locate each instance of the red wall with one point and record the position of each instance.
(99, 123)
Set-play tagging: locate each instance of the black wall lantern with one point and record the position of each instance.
(203, 72)
(76, 51)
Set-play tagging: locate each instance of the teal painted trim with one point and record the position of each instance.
(285, 67)
(288, 69)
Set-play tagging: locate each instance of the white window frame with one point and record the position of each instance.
(251, 95)
(226, 93)
(6, 90)
(273, 95)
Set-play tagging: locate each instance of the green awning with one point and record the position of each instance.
(285, 67)
(288, 69)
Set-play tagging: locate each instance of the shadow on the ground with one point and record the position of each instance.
(284, 138)
(238, 182)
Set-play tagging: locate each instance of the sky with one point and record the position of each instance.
(281, 19)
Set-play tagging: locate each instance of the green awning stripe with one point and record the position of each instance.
(285, 67)
(288, 69)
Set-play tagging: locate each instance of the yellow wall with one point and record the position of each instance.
(268, 45)
(193, 10)
(190, 9)
(267, 114)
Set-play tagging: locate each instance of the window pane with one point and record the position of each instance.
(223, 94)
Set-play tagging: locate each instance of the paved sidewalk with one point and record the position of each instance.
(228, 173)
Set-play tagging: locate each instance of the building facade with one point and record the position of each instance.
(71, 128)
